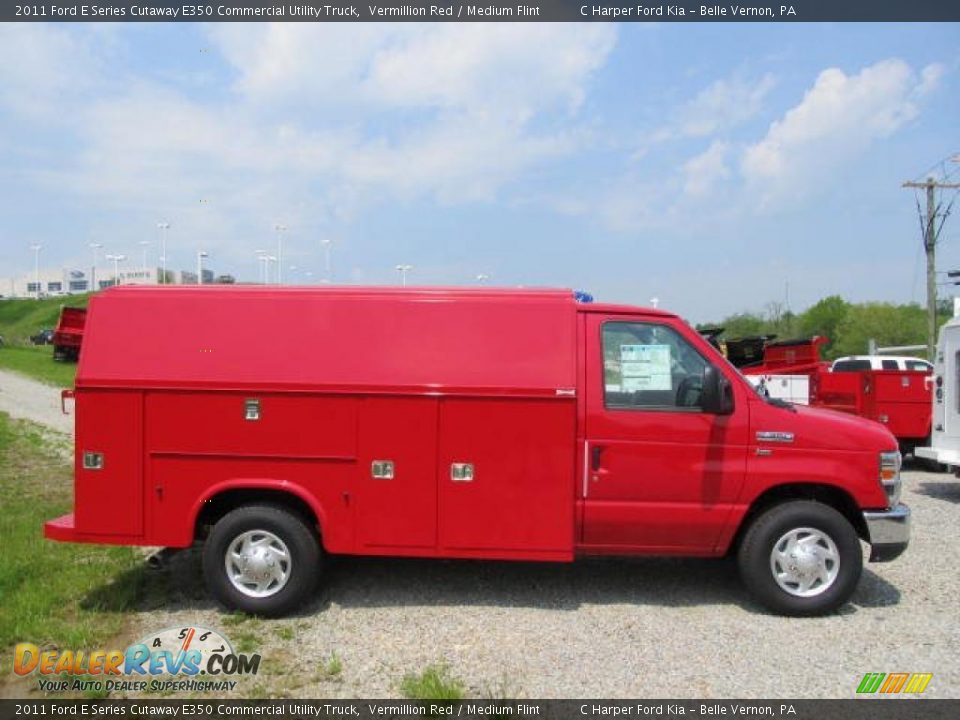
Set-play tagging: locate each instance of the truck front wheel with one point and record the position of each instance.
(261, 559)
(801, 558)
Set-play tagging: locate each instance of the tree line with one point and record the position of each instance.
(849, 326)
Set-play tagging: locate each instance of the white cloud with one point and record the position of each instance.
(703, 172)
(42, 66)
(838, 118)
(318, 121)
(517, 69)
(444, 110)
(723, 105)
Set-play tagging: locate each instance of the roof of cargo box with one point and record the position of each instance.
(342, 339)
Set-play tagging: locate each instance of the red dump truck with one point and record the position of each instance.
(279, 425)
(68, 335)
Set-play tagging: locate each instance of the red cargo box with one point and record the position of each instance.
(900, 399)
(68, 336)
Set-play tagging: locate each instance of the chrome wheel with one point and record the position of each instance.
(258, 563)
(805, 562)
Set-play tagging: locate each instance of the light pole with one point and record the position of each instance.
(261, 266)
(144, 244)
(654, 302)
(403, 270)
(36, 267)
(117, 259)
(93, 271)
(163, 227)
(271, 259)
(200, 256)
(280, 230)
(482, 278)
(328, 271)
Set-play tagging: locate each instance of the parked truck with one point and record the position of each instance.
(944, 445)
(456, 423)
(893, 391)
(68, 335)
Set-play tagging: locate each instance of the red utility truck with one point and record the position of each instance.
(68, 336)
(278, 425)
(897, 398)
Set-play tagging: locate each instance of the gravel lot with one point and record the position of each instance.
(21, 397)
(597, 628)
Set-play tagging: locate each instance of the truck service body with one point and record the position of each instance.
(455, 423)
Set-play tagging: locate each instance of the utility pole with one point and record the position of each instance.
(930, 233)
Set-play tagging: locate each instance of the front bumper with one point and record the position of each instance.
(889, 532)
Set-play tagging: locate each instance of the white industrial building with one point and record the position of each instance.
(68, 281)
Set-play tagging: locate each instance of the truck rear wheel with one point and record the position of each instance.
(801, 558)
(261, 559)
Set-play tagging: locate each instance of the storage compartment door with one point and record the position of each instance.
(397, 486)
(506, 476)
(109, 472)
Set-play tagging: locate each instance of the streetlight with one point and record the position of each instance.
(271, 259)
(482, 278)
(261, 266)
(93, 270)
(200, 256)
(328, 271)
(403, 270)
(36, 267)
(144, 244)
(117, 259)
(280, 230)
(654, 301)
(162, 227)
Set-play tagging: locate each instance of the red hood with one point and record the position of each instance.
(817, 428)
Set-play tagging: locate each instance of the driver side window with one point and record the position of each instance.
(647, 366)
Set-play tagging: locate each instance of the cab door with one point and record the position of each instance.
(660, 474)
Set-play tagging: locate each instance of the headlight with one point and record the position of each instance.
(890, 476)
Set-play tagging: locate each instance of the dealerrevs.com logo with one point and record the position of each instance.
(187, 659)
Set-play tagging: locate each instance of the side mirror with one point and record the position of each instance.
(717, 395)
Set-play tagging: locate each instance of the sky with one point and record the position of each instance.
(715, 167)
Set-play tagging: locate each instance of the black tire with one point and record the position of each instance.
(303, 569)
(766, 530)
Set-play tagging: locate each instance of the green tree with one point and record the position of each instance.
(743, 324)
(824, 318)
(886, 323)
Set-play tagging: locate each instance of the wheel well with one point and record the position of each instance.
(830, 495)
(220, 504)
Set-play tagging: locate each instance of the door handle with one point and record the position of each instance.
(595, 453)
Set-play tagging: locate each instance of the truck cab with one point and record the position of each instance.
(457, 423)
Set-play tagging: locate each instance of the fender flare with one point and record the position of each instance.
(284, 486)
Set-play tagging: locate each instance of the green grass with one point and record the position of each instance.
(61, 594)
(333, 666)
(19, 319)
(433, 683)
(38, 363)
(245, 640)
